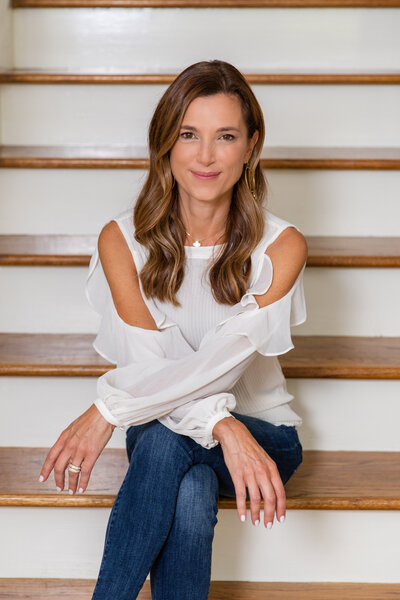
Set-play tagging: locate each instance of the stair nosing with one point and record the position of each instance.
(125, 157)
(55, 77)
(73, 355)
(18, 250)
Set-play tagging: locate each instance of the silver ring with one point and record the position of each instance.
(73, 468)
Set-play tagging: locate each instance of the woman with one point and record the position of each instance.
(197, 285)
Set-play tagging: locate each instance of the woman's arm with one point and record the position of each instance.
(189, 394)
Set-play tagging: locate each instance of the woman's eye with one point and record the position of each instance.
(189, 133)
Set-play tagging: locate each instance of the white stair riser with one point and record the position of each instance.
(309, 115)
(358, 546)
(320, 202)
(168, 40)
(337, 414)
(340, 301)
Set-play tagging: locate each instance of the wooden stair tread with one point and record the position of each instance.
(314, 356)
(53, 76)
(75, 249)
(47, 249)
(205, 3)
(82, 589)
(346, 480)
(125, 157)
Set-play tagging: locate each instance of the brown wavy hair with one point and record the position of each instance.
(156, 215)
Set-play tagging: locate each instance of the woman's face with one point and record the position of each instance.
(212, 140)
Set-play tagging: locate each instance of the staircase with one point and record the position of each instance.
(79, 80)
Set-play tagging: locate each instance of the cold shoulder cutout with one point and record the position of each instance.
(116, 340)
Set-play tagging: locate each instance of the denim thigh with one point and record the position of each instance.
(280, 442)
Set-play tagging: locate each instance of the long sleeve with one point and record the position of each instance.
(188, 390)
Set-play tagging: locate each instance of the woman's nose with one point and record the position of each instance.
(206, 152)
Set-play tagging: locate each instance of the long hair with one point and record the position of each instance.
(157, 221)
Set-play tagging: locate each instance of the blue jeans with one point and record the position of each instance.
(165, 512)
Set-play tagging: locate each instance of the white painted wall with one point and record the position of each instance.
(255, 40)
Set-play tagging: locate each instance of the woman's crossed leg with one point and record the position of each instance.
(165, 512)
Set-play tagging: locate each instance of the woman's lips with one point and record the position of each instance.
(205, 176)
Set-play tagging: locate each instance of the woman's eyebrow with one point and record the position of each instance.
(220, 129)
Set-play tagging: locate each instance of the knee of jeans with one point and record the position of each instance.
(197, 502)
(158, 442)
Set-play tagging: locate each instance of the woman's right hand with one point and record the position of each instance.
(80, 443)
(250, 466)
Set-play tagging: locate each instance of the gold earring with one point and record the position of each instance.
(250, 175)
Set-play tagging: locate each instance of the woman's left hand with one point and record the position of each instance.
(81, 443)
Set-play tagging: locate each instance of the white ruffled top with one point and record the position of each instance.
(206, 359)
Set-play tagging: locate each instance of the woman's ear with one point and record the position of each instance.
(252, 143)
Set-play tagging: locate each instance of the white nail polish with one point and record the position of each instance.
(80, 491)
(269, 525)
(58, 489)
(70, 492)
(257, 522)
(282, 518)
(41, 478)
(243, 518)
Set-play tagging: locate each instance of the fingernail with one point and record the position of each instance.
(269, 525)
(41, 478)
(243, 518)
(282, 518)
(257, 522)
(70, 492)
(80, 491)
(58, 489)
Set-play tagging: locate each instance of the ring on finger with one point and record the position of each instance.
(74, 468)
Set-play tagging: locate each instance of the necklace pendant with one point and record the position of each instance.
(196, 243)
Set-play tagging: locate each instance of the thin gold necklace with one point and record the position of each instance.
(197, 242)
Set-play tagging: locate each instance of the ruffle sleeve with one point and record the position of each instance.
(267, 328)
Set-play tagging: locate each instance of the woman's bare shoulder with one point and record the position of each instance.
(288, 254)
(121, 273)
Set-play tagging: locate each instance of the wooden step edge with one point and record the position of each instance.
(15, 76)
(82, 589)
(289, 372)
(324, 251)
(371, 262)
(44, 260)
(15, 370)
(30, 162)
(332, 372)
(63, 499)
(56, 370)
(325, 480)
(313, 356)
(205, 3)
(121, 157)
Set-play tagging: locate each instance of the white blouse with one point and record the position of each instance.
(205, 359)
